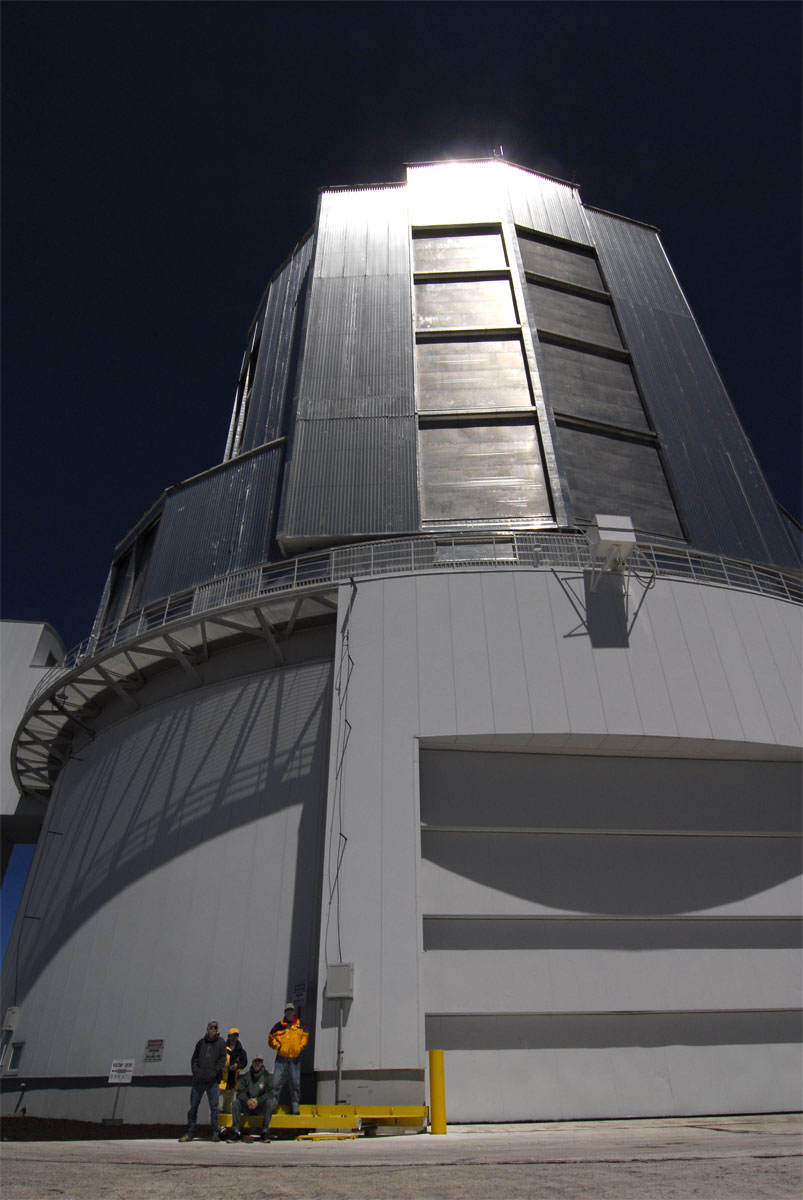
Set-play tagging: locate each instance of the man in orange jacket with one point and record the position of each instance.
(288, 1038)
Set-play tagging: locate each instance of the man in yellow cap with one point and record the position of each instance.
(236, 1060)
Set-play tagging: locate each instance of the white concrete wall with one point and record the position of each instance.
(501, 660)
(175, 881)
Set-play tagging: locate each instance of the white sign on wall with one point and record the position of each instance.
(154, 1049)
(122, 1070)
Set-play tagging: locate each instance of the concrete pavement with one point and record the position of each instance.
(708, 1158)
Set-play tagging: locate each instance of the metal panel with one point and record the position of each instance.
(472, 375)
(456, 193)
(587, 385)
(214, 525)
(727, 506)
(358, 355)
(573, 316)
(478, 304)
(559, 262)
(545, 205)
(463, 252)
(281, 329)
(352, 477)
(472, 472)
(352, 465)
(608, 474)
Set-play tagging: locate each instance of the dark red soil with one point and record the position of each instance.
(17, 1128)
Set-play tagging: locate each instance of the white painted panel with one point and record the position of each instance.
(438, 714)
(580, 683)
(688, 706)
(472, 675)
(448, 893)
(730, 641)
(509, 698)
(620, 705)
(711, 677)
(772, 636)
(541, 656)
(647, 672)
(565, 1084)
(359, 797)
(398, 1000)
(186, 830)
(462, 981)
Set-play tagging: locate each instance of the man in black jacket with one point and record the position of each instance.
(208, 1061)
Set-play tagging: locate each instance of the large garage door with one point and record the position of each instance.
(611, 936)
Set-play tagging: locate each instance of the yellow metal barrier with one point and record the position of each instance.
(358, 1117)
(437, 1093)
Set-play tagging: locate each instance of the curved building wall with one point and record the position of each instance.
(594, 828)
(540, 800)
(176, 880)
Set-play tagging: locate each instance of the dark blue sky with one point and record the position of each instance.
(160, 160)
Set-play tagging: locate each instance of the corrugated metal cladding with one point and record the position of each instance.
(215, 525)
(718, 484)
(281, 332)
(358, 356)
(545, 205)
(358, 477)
(609, 474)
(467, 193)
(351, 468)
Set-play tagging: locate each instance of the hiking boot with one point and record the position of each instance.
(185, 1137)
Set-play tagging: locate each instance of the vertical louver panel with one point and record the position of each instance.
(278, 350)
(718, 484)
(218, 523)
(352, 461)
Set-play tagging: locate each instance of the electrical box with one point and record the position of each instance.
(340, 981)
(611, 537)
(10, 1020)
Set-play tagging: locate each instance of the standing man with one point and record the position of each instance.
(207, 1063)
(288, 1038)
(254, 1099)
(236, 1060)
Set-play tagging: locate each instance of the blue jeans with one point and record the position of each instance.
(198, 1089)
(286, 1069)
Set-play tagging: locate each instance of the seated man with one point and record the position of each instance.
(254, 1099)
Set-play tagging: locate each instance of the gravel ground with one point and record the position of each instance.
(727, 1158)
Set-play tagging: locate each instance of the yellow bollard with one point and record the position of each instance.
(437, 1093)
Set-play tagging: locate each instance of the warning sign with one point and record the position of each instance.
(154, 1049)
(122, 1070)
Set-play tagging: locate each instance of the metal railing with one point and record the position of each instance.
(543, 551)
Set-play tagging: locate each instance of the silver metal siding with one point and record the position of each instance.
(455, 193)
(280, 329)
(718, 484)
(352, 466)
(217, 524)
(545, 205)
(366, 472)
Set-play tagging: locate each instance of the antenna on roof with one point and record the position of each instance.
(498, 152)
